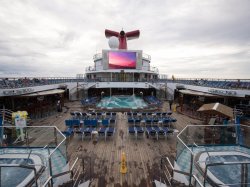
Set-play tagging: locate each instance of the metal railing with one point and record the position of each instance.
(75, 172)
(169, 172)
(6, 115)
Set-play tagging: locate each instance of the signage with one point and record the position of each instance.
(18, 92)
(223, 92)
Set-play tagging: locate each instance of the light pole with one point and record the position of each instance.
(102, 94)
(141, 94)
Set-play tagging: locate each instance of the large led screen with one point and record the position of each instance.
(122, 60)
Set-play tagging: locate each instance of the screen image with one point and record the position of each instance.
(122, 60)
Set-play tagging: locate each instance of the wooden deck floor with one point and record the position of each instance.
(103, 158)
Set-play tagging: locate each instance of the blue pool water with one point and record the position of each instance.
(184, 159)
(122, 102)
(228, 174)
(19, 174)
(12, 176)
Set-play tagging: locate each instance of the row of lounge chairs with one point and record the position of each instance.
(151, 124)
(87, 115)
(101, 131)
(150, 114)
(76, 123)
(151, 131)
(90, 101)
(89, 128)
(156, 125)
(151, 121)
(152, 100)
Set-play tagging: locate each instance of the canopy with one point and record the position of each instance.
(197, 93)
(47, 92)
(216, 109)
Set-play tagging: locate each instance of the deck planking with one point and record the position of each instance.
(102, 159)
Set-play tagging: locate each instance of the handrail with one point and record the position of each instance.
(22, 166)
(59, 143)
(67, 172)
(219, 164)
(73, 165)
(47, 181)
(183, 142)
(197, 180)
(172, 167)
(179, 171)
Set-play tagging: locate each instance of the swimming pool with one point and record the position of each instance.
(228, 170)
(131, 102)
(18, 176)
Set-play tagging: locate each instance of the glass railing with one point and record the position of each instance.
(91, 69)
(21, 82)
(44, 146)
(196, 143)
(215, 83)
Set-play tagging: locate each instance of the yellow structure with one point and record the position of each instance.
(123, 169)
(21, 114)
(19, 119)
(174, 107)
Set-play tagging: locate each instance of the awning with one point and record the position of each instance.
(197, 93)
(216, 109)
(47, 92)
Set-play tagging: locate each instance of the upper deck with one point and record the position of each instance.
(102, 63)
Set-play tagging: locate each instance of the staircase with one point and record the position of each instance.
(6, 116)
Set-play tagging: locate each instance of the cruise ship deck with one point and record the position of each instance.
(103, 159)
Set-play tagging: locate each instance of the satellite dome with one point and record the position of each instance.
(113, 42)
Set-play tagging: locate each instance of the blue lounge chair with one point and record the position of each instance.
(105, 122)
(149, 121)
(86, 132)
(139, 131)
(151, 131)
(112, 120)
(137, 121)
(131, 120)
(160, 132)
(131, 130)
(102, 132)
(109, 132)
(68, 132)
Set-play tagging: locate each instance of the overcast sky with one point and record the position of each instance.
(184, 38)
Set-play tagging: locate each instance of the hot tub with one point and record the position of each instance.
(223, 173)
(18, 176)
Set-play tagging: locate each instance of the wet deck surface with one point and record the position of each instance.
(103, 159)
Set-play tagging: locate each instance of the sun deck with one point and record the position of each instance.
(102, 159)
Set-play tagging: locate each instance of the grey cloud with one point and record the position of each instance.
(41, 36)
